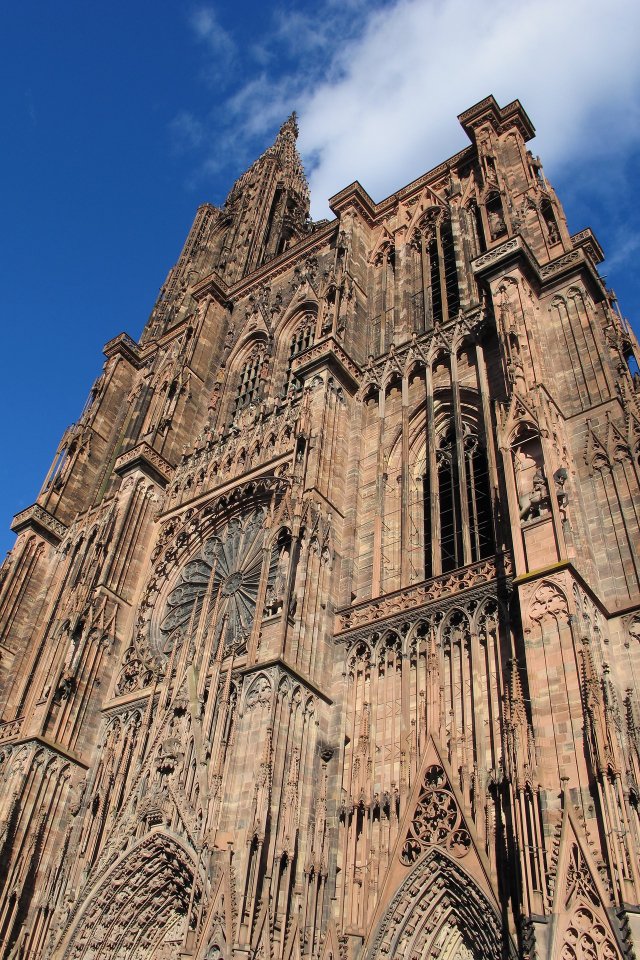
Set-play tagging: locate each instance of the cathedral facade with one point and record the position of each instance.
(320, 639)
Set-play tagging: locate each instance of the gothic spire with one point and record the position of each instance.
(269, 203)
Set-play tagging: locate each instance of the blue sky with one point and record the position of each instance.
(119, 119)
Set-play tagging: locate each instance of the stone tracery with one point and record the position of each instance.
(142, 904)
(333, 640)
(227, 576)
(436, 820)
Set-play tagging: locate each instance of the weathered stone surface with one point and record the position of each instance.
(322, 637)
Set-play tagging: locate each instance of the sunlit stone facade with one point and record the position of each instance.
(321, 638)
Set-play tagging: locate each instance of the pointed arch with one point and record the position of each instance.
(439, 910)
(583, 929)
(296, 334)
(140, 903)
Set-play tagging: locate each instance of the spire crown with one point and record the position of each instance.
(290, 127)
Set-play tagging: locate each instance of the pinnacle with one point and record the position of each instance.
(290, 127)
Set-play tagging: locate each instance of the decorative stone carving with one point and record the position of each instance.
(41, 521)
(436, 820)
(548, 602)
(436, 590)
(227, 575)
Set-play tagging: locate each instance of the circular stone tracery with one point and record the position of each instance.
(232, 584)
(226, 572)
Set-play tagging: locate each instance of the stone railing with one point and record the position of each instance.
(41, 521)
(145, 458)
(372, 611)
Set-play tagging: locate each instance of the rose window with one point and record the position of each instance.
(437, 820)
(226, 574)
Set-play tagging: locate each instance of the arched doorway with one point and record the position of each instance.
(140, 908)
(439, 910)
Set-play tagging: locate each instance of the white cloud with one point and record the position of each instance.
(624, 249)
(188, 131)
(378, 85)
(219, 42)
(388, 113)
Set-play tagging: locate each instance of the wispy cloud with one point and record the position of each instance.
(390, 112)
(378, 86)
(624, 249)
(218, 41)
(188, 131)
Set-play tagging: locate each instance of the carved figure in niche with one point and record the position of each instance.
(560, 478)
(495, 217)
(533, 490)
(490, 168)
(536, 503)
(497, 225)
(274, 599)
(546, 210)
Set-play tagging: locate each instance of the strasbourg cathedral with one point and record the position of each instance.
(320, 639)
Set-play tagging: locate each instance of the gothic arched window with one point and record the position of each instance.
(451, 545)
(464, 498)
(440, 270)
(248, 388)
(301, 338)
(478, 499)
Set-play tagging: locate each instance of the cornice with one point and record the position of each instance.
(214, 286)
(41, 522)
(124, 346)
(500, 118)
(568, 566)
(470, 323)
(587, 239)
(264, 473)
(426, 179)
(329, 353)
(143, 457)
(356, 197)
(446, 590)
(40, 741)
(516, 251)
(292, 671)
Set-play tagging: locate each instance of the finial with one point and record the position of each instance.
(290, 127)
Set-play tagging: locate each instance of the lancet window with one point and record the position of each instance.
(432, 510)
(440, 272)
(464, 502)
(248, 388)
(302, 337)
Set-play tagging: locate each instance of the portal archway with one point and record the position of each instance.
(439, 910)
(140, 908)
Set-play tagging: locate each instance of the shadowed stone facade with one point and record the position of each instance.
(321, 638)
